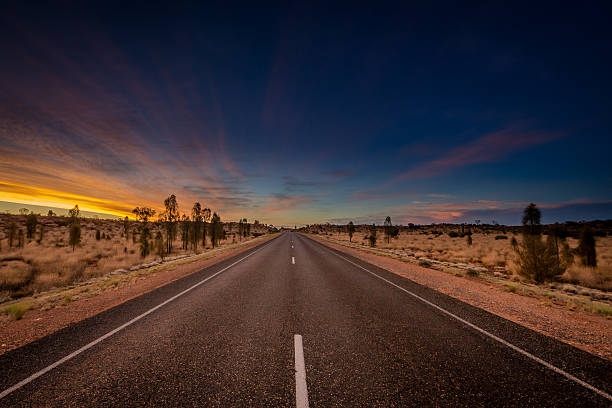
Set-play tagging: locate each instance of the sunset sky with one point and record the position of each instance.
(294, 114)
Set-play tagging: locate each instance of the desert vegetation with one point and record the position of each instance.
(576, 253)
(38, 253)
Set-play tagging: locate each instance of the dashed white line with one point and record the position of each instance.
(486, 333)
(293, 260)
(118, 329)
(301, 391)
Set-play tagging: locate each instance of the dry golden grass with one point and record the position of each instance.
(50, 263)
(486, 251)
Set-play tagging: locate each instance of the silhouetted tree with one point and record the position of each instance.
(586, 247)
(539, 260)
(75, 234)
(20, 240)
(185, 228)
(97, 235)
(126, 227)
(24, 211)
(11, 233)
(351, 230)
(205, 219)
(50, 213)
(143, 214)
(31, 222)
(387, 229)
(159, 245)
(196, 217)
(74, 213)
(170, 217)
(372, 236)
(532, 218)
(216, 230)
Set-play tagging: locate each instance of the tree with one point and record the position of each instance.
(205, 219)
(170, 218)
(586, 247)
(24, 211)
(11, 233)
(74, 212)
(196, 217)
(469, 240)
(50, 213)
(159, 245)
(185, 228)
(240, 229)
(532, 218)
(126, 227)
(372, 236)
(97, 235)
(539, 260)
(143, 214)
(216, 230)
(20, 242)
(75, 235)
(351, 230)
(31, 222)
(387, 229)
(41, 233)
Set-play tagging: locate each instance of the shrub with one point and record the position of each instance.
(454, 234)
(586, 248)
(97, 235)
(501, 237)
(75, 235)
(16, 311)
(472, 272)
(424, 263)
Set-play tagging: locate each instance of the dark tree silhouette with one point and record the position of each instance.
(372, 236)
(31, 222)
(586, 247)
(170, 218)
(351, 230)
(205, 219)
(387, 229)
(196, 217)
(216, 230)
(532, 218)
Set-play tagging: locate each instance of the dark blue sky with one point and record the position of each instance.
(307, 113)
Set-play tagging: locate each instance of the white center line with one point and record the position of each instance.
(301, 392)
(293, 260)
(483, 331)
(118, 329)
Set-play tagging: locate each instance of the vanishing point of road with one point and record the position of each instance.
(292, 322)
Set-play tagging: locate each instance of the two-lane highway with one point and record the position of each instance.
(293, 322)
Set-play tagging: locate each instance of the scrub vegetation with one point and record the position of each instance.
(39, 253)
(569, 253)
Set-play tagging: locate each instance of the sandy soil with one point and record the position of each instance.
(583, 330)
(39, 323)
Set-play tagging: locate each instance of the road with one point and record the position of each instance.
(293, 322)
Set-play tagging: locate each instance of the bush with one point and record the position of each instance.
(586, 248)
(454, 234)
(426, 264)
(97, 235)
(501, 237)
(472, 272)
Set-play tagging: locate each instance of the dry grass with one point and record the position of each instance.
(51, 263)
(486, 251)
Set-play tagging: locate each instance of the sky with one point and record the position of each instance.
(299, 113)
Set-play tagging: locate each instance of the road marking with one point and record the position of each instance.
(486, 333)
(293, 260)
(301, 392)
(118, 329)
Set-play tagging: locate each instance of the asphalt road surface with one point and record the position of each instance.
(292, 322)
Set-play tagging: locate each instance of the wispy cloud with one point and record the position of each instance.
(488, 148)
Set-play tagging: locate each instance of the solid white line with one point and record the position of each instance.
(301, 392)
(293, 260)
(118, 329)
(486, 333)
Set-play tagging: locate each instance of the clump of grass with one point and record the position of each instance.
(510, 287)
(17, 310)
(459, 274)
(599, 308)
(426, 264)
(472, 272)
